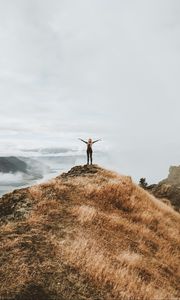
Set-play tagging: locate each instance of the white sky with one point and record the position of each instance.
(100, 68)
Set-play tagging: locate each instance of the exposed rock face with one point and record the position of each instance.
(168, 191)
(174, 176)
(89, 234)
(169, 188)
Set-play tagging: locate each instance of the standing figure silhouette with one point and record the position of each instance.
(89, 144)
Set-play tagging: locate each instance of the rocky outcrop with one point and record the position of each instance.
(169, 192)
(174, 176)
(85, 170)
(169, 188)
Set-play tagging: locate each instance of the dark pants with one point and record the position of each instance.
(89, 156)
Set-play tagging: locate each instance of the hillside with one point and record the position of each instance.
(88, 234)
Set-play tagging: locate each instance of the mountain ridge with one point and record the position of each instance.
(89, 233)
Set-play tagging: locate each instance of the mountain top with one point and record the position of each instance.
(85, 170)
(89, 233)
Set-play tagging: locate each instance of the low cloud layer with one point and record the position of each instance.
(103, 68)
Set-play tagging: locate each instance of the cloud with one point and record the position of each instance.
(104, 68)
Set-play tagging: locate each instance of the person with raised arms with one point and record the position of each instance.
(89, 144)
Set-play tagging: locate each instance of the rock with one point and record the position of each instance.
(169, 188)
(174, 176)
(85, 170)
(168, 191)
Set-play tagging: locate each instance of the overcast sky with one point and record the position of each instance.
(100, 68)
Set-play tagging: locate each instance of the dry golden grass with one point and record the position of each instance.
(95, 236)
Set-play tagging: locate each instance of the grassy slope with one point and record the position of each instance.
(88, 234)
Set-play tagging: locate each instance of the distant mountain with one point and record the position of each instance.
(12, 165)
(20, 171)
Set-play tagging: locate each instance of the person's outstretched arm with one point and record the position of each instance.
(83, 141)
(96, 141)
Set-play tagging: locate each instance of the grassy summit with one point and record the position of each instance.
(88, 234)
